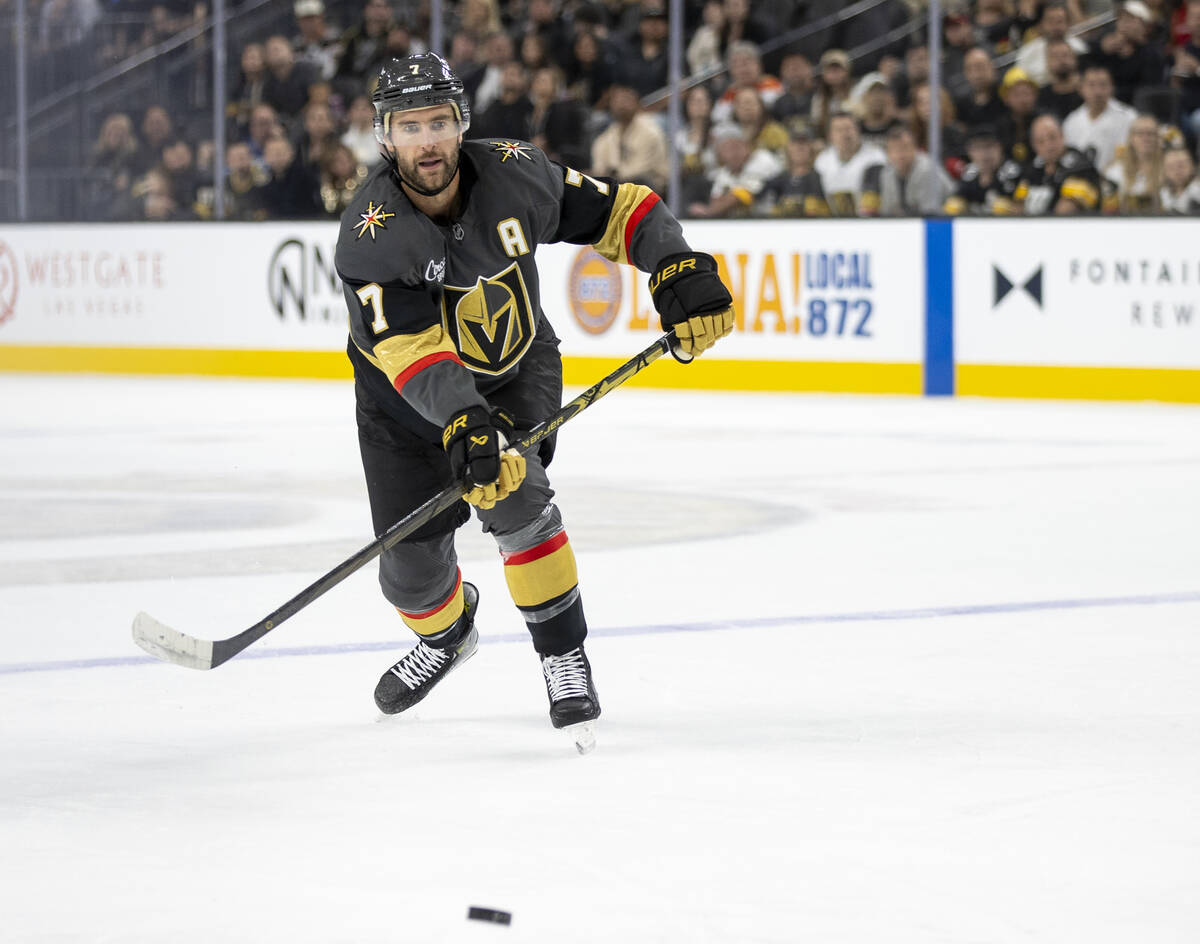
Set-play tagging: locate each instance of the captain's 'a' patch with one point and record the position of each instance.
(491, 322)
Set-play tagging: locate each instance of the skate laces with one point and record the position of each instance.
(420, 665)
(566, 675)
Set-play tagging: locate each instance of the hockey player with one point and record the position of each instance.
(453, 357)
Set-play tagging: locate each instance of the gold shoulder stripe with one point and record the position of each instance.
(626, 202)
(398, 356)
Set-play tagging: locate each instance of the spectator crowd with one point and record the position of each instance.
(1075, 107)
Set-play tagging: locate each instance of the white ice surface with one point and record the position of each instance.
(873, 670)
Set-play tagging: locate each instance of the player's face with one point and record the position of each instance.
(425, 142)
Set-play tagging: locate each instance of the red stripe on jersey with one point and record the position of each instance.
(535, 553)
(420, 364)
(441, 606)
(636, 217)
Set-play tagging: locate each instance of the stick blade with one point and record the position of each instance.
(170, 645)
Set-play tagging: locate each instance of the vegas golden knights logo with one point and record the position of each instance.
(491, 321)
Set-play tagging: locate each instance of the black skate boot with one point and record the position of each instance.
(574, 705)
(414, 676)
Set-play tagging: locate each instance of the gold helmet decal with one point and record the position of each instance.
(492, 322)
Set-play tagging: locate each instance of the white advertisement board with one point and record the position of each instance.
(1077, 293)
(803, 291)
(829, 291)
(266, 286)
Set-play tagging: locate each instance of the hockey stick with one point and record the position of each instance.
(170, 645)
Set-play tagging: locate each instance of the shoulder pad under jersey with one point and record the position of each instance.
(380, 239)
(510, 167)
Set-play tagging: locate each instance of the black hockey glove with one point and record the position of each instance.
(692, 299)
(476, 443)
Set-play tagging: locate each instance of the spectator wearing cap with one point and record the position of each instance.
(908, 184)
(795, 101)
(1060, 180)
(1136, 173)
(843, 164)
(796, 192)
(988, 181)
(633, 146)
(1131, 60)
(876, 108)
(834, 88)
(1180, 193)
(316, 42)
(363, 48)
(745, 71)
(1060, 96)
(1185, 71)
(1053, 26)
(1101, 124)
(981, 103)
(739, 177)
(644, 66)
(1020, 100)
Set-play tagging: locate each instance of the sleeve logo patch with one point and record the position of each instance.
(375, 216)
(507, 149)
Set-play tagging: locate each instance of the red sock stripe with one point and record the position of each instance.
(419, 365)
(635, 217)
(535, 553)
(441, 606)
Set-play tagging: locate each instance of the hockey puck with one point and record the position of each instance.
(492, 915)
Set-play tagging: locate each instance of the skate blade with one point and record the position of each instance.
(583, 735)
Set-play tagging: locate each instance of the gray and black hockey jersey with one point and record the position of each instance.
(442, 314)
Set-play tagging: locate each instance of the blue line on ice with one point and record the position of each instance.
(868, 616)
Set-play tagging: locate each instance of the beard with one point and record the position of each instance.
(429, 182)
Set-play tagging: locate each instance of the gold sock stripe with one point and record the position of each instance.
(541, 573)
(440, 618)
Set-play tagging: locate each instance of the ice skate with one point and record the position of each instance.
(414, 676)
(574, 706)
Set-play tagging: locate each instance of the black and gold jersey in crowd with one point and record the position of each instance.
(795, 195)
(974, 197)
(1074, 179)
(441, 315)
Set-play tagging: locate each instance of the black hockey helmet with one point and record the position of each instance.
(418, 82)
